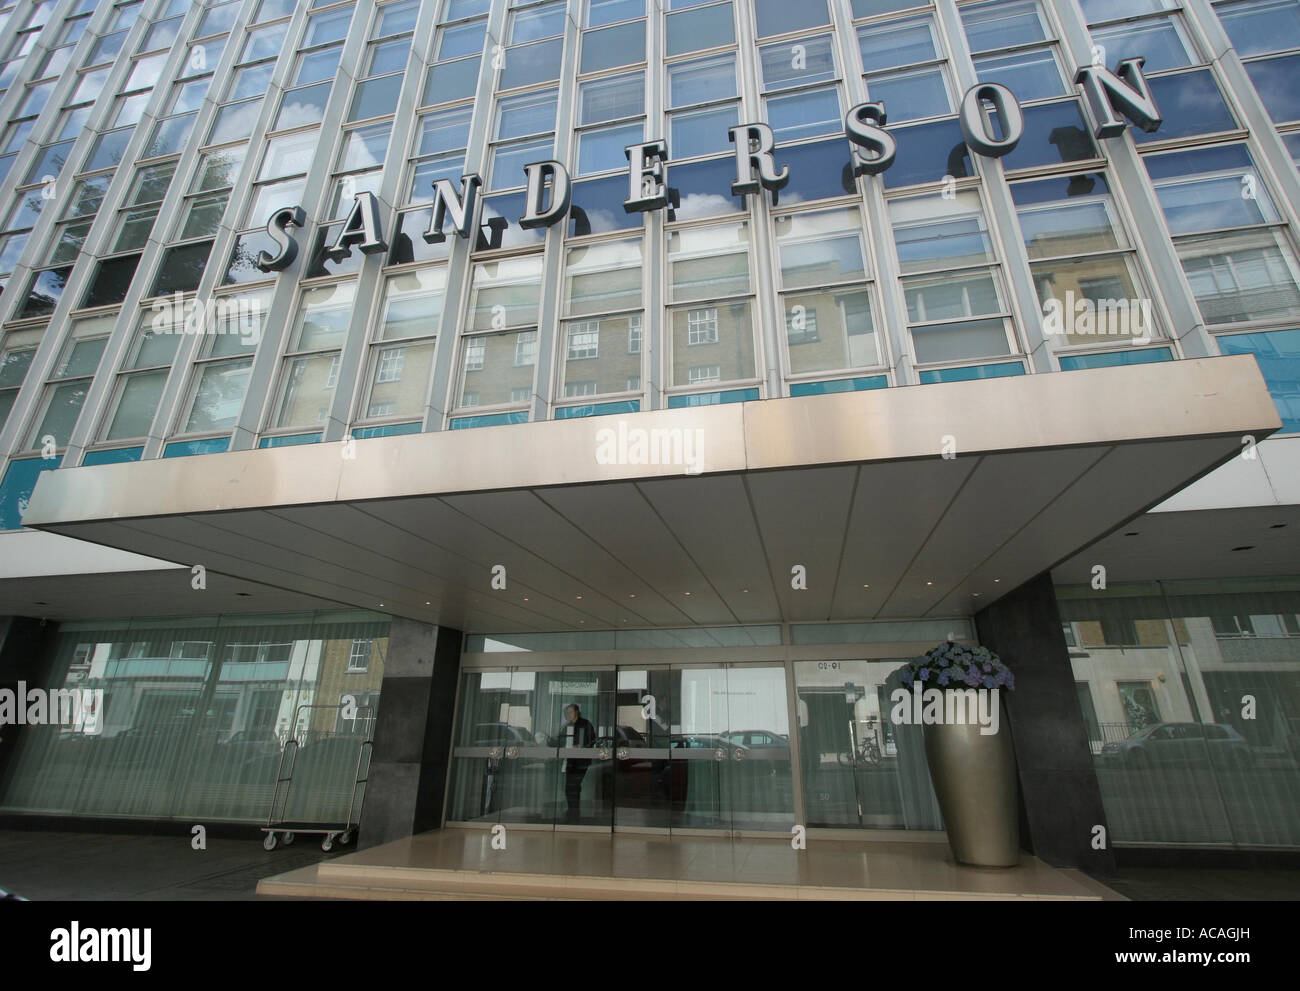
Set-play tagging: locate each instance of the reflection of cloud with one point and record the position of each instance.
(703, 204)
(602, 221)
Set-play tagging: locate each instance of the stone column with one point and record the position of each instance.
(1060, 800)
(409, 766)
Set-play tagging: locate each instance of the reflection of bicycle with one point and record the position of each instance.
(867, 752)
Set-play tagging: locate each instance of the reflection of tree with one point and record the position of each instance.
(219, 170)
(219, 396)
(183, 268)
(47, 288)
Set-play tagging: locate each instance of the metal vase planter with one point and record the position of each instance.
(974, 778)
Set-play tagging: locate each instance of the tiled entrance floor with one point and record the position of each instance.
(461, 863)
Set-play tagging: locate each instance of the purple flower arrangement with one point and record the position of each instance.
(954, 665)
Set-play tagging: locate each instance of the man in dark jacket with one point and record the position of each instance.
(577, 733)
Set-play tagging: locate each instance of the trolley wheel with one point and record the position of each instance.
(287, 838)
(345, 837)
(327, 844)
(270, 842)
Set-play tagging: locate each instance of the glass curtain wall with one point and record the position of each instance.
(196, 713)
(1191, 693)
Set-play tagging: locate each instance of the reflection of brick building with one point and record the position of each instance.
(349, 667)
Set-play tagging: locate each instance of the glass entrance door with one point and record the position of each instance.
(731, 753)
(635, 748)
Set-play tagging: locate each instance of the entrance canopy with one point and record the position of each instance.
(925, 501)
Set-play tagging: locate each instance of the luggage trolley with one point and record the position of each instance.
(278, 828)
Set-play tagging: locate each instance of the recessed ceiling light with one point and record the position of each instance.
(929, 583)
(577, 596)
(745, 590)
(688, 593)
(428, 603)
(631, 595)
(243, 595)
(1131, 533)
(1245, 547)
(525, 598)
(40, 603)
(866, 586)
(1277, 526)
(975, 595)
(997, 579)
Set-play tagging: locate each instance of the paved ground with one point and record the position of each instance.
(50, 866)
(46, 866)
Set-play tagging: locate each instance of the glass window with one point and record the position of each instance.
(701, 81)
(1032, 75)
(809, 60)
(1262, 26)
(375, 97)
(533, 113)
(137, 402)
(449, 81)
(612, 98)
(505, 293)
(694, 30)
(534, 23)
(623, 44)
(1002, 24)
(303, 106)
(816, 249)
(931, 232)
(218, 396)
(537, 62)
(603, 277)
(707, 262)
(712, 343)
(323, 317)
(780, 16)
(898, 43)
(807, 114)
(498, 368)
(1160, 42)
(702, 132)
(412, 304)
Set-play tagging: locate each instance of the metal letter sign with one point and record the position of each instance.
(277, 229)
(361, 228)
(975, 122)
(1111, 97)
(1110, 94)
(462, 206)
(537, 213)
(754, 166)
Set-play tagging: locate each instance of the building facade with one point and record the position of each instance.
(438, 364)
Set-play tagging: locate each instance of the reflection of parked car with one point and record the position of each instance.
(1185, 744)
(251, 743)
(500, 735)
(756, 738)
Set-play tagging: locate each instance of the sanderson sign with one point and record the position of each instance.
(1111, 97)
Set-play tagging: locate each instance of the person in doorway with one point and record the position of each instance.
(577, 733)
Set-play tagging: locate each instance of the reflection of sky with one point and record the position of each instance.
(703, 205)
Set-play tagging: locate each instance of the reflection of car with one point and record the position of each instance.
(1169, 744)
(250, 743)
(756, 738)
(624, 736)
(500, 735)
